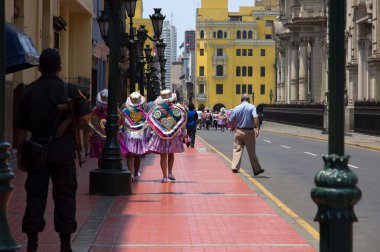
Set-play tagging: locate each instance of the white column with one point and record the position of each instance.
(361, 59)
(303, 71)
(283, 73)
(294, 72)
(316, 73)
(278, 73)
(287, 73)
(376, 30)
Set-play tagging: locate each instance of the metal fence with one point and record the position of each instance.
(310, 115)
(367, 117)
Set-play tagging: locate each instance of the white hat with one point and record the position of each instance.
(166, 95)
(135, 99)
(102, 99)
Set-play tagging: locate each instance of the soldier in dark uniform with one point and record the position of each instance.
(38, 114)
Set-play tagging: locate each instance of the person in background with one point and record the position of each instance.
(191, 125)
(39, 113)
(135, 126)
(222, 119)
(215, 120)
(207, 117)
(200, 119)
(98, 125)
(247, 130)
(167, 123)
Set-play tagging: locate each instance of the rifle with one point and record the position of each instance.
(76, 132)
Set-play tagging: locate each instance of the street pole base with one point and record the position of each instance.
(110, 182)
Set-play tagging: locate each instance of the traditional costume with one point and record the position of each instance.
(166, 122)
(98, 125)
(222, 119)
(135, 124)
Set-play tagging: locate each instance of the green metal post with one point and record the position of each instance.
(132, 57)
(111, 178)
(336, 192)
(7, 243)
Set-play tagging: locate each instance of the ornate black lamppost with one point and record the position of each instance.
(131, 8)
(7, 243)
(336, 192)
(111, 178)
(161, 59)
(142, 35)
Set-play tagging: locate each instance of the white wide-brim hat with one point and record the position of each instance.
(135, 99)
(102, 99)
(166, 95)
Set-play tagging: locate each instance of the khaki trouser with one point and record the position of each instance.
(245, 138)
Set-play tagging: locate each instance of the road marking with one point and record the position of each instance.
(267, 141)
(309, 153)
(284, 146)
(353, 166)
(314, 233)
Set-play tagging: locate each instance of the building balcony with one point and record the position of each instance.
(200, 97)
(219, 76)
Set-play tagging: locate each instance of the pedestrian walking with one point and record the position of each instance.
(222, 119)
(215, 120)
(207, 117)
(50, 109)
(135, 132)
(167, 128)
(246, 132)
(200, 119)
(98, 125)
(191, 125)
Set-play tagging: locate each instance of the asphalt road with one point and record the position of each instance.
(291, 164)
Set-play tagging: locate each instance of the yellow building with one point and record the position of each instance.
(63, 24)
(235, 54)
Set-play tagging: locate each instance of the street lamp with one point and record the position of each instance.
(131, 8)
(103, 22)
(161, 59)
(142, 35)
(7, 243)
(111, 178)
(336, 192)
(157, 21)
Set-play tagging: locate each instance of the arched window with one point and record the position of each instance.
(202, 34)
(250, 34)
(238, 34)
(244, 34)
(220, 34)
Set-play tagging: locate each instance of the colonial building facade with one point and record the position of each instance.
(235, 53)
(65, 25)
(302, 53)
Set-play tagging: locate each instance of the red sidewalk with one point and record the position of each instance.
(208, 208)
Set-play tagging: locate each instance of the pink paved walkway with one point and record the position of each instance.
(208, 208)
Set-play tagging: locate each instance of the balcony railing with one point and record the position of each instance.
(200, 97)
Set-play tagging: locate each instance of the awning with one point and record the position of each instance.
(20, 51)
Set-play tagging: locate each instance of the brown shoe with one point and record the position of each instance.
(258, 172)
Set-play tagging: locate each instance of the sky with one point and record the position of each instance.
(183, 12)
